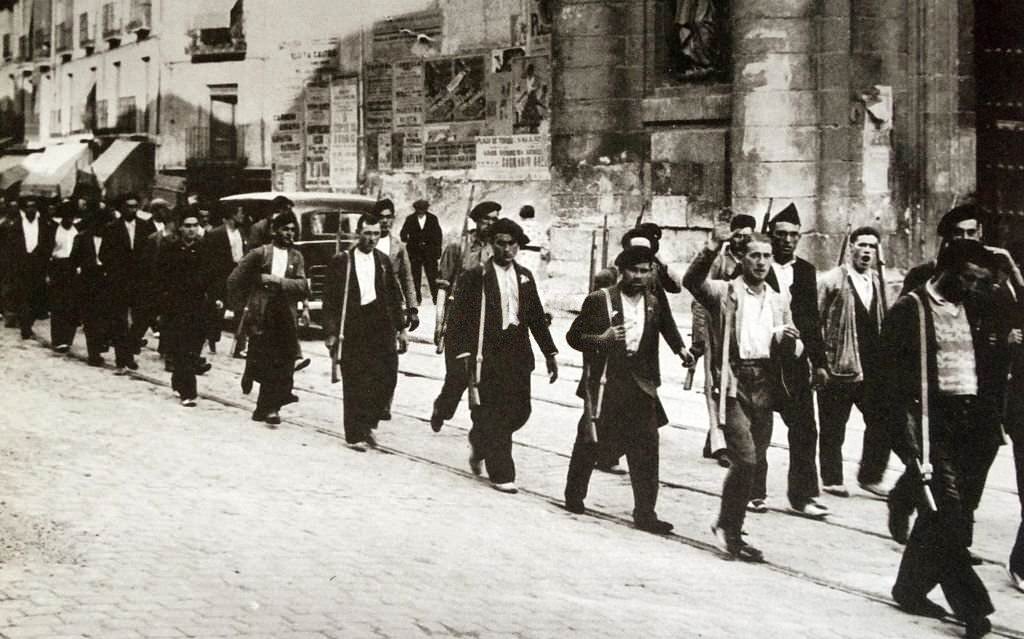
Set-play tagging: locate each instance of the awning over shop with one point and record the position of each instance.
(54, 172)
(125, 167)
(12, 170)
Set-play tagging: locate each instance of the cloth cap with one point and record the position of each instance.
(384, 205)
(960, 214)
(742, 221)
(283, 219)
(421, 205)
(637, 237)
(650, 229)
(788, 214)
(509, 227)
(159, 202)
(633, 255)
(484, 209)
(281, 202)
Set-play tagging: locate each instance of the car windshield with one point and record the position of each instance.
(326, 224)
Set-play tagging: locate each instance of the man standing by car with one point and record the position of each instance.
(363, 306)
(222, 250)
(421, 233)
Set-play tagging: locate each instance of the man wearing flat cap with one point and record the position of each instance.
(461, 255)
(797, 280)
(618, 331)
(496, 308)
(421, 233)
(260, 233)
(725, 267)
(270, 280)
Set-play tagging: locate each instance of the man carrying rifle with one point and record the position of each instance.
(496, 309)
(935, 415)
(364, 319)
(618, 331)
(461, 255)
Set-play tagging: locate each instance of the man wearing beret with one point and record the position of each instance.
(618, 332)
(502, 296)
(750, 333)
(797, 280)
(421, 233)
(461, 255)
(725, 267)
(270, 280)
(964, 222)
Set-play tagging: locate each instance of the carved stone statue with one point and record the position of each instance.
(699, 52)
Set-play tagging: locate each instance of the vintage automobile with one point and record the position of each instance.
(327, 224)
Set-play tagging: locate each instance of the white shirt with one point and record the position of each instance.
(784, 273)
(754, 334)
(279, 264)
(97, 242)
(384, 245)
(159, 226)
(863, 284)
(508, 286)
(31, 230)
(235, 240)
(63, 241)
(131, 233)
(365, 272)
(421, 219)
(633, 315)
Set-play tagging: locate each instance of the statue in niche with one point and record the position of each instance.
(698, 48)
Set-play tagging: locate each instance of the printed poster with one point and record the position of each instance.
(344, 151)
(408, 94)
(379, 87)
(318, 137)
(513, 157)
(531, 89)
(539, 33)
(455, 89)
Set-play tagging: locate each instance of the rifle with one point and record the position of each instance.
(846, 242)
(474, 378)
(336, 351)
(880, 266)
(924, 465)
(604, 242)
(767, 216)
(444, 310)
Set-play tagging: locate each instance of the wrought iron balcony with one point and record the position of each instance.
(111, 23)
(141, 16)
(218, 44)
(86, 33)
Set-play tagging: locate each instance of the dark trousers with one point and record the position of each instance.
(369, 369)
(63, 316)
(748, 431)
(456, 378)
(504, 408)
(936, 552)
(30, 300)
(185, 344)
(273, 396)
(798, 415)
(834, 404)
(420, 263)
(95, 327)
(639, 442)
(1017, 555)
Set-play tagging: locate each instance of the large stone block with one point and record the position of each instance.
(796, 179)
(702, 145)
(591, 51)
(603, 115)
(776, 144)
(570, 244)
(745, 9)
(607, 147)
(595, 83)
(603, 18)
(833, 70)
(877, 35)
(777, 108)
(774, 72)
(834, 34)
(772, 35)
(837, 142)
(597, 179)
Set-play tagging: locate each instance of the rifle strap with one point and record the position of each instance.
(926, 464)
(483, 317)
(344, 300)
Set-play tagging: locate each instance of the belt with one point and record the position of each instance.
(749, 363)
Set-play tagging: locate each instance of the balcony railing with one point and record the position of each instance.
(141, 16)
(217, 44)
(65, 42)
(24, 50)
(111, 22)
(219, 146)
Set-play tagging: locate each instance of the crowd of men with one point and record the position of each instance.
(937, 374)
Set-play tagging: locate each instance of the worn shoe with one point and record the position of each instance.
(203, 368)
(613, 469)
(508, 487)
(757, 506)
(918, 605)
(246, 384)
(273, 419)
(188, 403)
(359, 447)
(977, 628)
(476, 464)
(302, 363)
(132, 365)
(654, 526)
(61, 348)
(837, 490)
(1016, 579)
(436, 423)
(576, 507)
(120, 371)
(812, 510)
(96, 361)
(877, 489)
(899, 524)
(735, 546)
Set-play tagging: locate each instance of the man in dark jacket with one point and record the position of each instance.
(421, 233)
(796, 278)
(93, 292)
(182, 303)
(965, 222)
(60, 275)
(124, 253)
(500, 350)
(373, 333)
(618, 332)
(27, 255)
(222, 250)
(962, 362)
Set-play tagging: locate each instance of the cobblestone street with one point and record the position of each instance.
(124, 515)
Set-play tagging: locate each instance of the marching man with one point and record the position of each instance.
(364, 319)
(750, 332)
(496, 308)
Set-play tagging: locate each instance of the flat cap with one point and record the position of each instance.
(634, 255)
(509, 227)
(484, 209)
(421, 205)
(959, 214)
